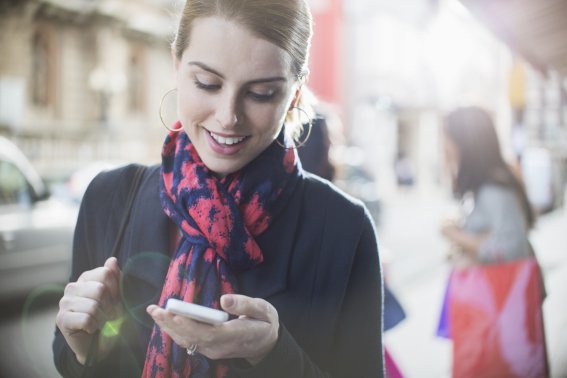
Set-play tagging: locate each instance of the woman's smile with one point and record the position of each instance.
(224, 144)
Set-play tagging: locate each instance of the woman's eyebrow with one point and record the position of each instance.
(267, 80)
(255, 81)
(206, 68)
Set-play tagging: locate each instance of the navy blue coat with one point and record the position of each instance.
(321, 271)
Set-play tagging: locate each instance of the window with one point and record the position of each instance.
(14, 188)
(136, 79)
(43, 69)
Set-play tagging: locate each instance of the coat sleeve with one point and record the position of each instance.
(101, 209)
(355, 347)
(64, 358)
(357, 351)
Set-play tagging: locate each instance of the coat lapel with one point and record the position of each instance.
(148, 250)
(277, 244)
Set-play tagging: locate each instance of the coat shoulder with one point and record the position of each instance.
(113, 186)
(322, 194)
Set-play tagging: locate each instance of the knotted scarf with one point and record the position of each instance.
(218, 220)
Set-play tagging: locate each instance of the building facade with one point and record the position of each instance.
(83, 79)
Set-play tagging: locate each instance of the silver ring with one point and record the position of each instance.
(192, 349)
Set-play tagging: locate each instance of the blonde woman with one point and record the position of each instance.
(232, 222)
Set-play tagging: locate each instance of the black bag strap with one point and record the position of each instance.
(138, 174)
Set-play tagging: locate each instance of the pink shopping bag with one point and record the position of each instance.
(392, 369)
(495, 321)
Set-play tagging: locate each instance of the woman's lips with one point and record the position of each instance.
(227, 140)
(225, 144)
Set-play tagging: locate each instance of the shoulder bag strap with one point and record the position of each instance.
(138, 174)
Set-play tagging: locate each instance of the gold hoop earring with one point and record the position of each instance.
(310, 124)
(161, 116)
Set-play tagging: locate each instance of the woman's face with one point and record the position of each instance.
(234, 90)
(451, 157)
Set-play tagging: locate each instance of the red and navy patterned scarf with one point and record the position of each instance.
(218, 219)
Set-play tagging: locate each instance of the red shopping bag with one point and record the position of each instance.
(392, 369)
(495, 320)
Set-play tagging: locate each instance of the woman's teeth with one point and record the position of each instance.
(227, 140)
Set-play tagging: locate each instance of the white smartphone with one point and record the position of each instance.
(197, 312)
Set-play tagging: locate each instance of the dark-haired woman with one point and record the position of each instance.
(499, 333)
(497, 228)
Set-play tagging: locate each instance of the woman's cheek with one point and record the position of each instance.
(276, 116)
(190, 106)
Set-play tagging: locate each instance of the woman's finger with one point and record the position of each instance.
(70, 322)
(86, 306)
(255, 308)
(109, 275)
(96, 291)
(112, 264)
(182, 330)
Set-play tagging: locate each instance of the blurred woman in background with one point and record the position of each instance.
(495, 289)
(497, 228)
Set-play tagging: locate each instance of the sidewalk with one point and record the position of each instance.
(550, 243)
(418, 275)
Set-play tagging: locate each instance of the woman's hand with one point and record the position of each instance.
(251, 336)
(450, 229)
(87, 305)
(462, 240)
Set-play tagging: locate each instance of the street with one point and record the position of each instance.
(26, 332)
(416, 270)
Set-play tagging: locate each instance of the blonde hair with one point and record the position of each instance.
(285, 23)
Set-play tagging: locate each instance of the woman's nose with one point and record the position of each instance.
(227, 114)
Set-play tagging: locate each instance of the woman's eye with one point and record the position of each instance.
(262, 97)
(205, 86)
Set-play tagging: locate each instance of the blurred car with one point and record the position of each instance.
(79, 180)
(354, 179)
(36, 229)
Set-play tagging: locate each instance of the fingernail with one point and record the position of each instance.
(227, 300)
(108, 261)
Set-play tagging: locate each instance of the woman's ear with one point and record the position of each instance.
(296, 98)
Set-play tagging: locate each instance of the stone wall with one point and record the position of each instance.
(74, 125)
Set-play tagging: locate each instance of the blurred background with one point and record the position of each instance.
(80, 86)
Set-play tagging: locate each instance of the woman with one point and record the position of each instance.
(497, 228)
(494, 292)
(229, 221)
